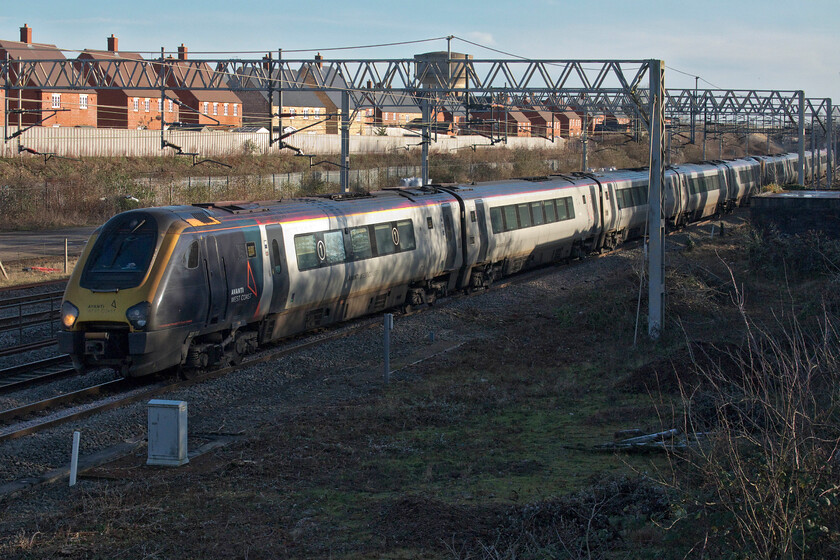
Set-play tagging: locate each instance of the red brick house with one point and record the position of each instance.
(217, 107)
(543, 123)
(499, 121)
(47, 106)
(128, 108)
(571, 125)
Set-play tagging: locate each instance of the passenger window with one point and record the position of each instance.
(406, 232)
(562, 214)
(537, 213)
(360, 242)
(192, 255)
(430, 223)
(275, 256)
(570, 208)
(496, 220)
(510, 218)
(384, 240)
(305, 251)
(334, 246)
(550, 212)
(472, 216)
(524, 215)
(251, 249)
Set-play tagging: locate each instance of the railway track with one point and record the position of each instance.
(31, 418)
(122, 392)
(41, 371)
(26, 347)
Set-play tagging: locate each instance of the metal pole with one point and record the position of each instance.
(747, 138)
(829, 134)
(705, 119)
(693, 109)
(74, 459)
(388, 326)
(424, 162)
(279, 90)
(584, 142)
(449, 62)
(656, 241)
(6, 100)
(65, 255)
(813, 152)
(801, 137)
(270, 84)
(345, 141)
(162, 99)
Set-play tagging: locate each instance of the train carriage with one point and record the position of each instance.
(194, 286)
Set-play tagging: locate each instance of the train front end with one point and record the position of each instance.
(107, 310)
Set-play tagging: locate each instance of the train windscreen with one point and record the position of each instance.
(122, 253)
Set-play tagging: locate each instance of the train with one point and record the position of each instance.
(190, 287)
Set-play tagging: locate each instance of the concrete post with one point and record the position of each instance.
(345, 141)
(656, 242)
(801, 166)
(388, 325)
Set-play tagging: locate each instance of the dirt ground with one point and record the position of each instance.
(482, 453)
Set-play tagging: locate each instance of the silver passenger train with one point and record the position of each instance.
(202, 285)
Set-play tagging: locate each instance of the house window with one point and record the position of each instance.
(136, 104)
(235, 109)
(83, 99)
(160, 105)
(293, 112)
(56, 101)
(306, 113)
(169, 106)
(225, 109)
(147, 104)
(215, 108)
(206, 105)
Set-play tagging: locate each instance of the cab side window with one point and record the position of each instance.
(192, 255)
(275, 257)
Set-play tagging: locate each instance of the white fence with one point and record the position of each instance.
(95, 142)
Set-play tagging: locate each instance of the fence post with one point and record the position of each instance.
(389, 325)
(74, 458)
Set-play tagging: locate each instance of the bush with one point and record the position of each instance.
(794, 256)
(769, 421)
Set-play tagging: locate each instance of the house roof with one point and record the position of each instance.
(45, 74)
(123, 68)
(299, 78)
(193, 74)
(545, 116)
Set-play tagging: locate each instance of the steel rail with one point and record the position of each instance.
(40, 371)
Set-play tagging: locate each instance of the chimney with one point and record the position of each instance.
(182, 52)
(318, 59)
(26, 34)
(112, 43)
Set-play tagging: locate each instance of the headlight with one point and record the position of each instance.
(138, 314)
(69, 314)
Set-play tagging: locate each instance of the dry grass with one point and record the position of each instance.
(63, 192)
(17, 275)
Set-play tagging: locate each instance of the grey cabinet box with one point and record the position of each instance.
(167, 433)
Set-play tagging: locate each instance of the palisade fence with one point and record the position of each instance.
(58, 197)
(99, 142)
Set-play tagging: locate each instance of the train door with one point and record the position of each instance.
(481, 214)
(216, 280)
(279, 269)
(449, 232)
